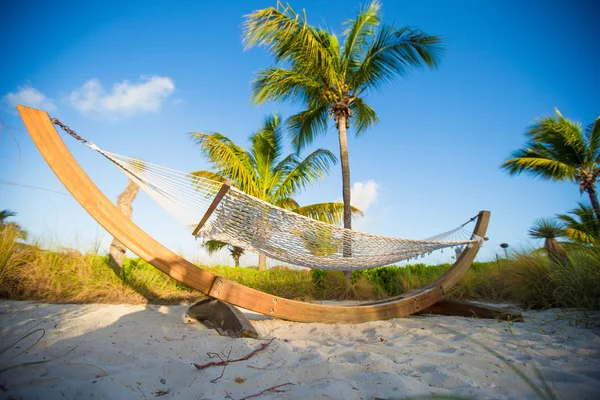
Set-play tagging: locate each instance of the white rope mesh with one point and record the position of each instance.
(257, 226)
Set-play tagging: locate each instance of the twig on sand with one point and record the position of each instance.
(90, 365)
(227, 361)
(274, 389)
(143, 394)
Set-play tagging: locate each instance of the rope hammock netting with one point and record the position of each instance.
(257, 226)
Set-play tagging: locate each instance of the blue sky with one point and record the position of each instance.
(136, 77)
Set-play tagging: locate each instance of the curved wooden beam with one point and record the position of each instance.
(66, 168)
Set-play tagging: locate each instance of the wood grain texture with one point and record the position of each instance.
(466, 308)
(213, 206)
(67, 169)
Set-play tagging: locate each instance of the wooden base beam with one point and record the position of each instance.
(225, 318)
(471, 309)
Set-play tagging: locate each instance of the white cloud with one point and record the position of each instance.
(363, 194)
(29, 96)
(125, 98)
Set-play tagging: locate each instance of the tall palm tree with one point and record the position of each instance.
(266, 173)
(331, 78)
(557, 149)
(550, 230)
(581, 225)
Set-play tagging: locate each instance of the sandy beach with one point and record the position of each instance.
(148, 351)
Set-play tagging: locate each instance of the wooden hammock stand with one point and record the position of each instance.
(429, 299)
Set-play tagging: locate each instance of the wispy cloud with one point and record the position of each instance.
(29, 96)
(364, 194)
(124, 99)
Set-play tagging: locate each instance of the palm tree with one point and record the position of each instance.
(557, 149)
(505, 247)
(580, 225)
(212, 246)
(266, 173)
(5, 214)
(549, 230)
(329, 77)
(12, 227)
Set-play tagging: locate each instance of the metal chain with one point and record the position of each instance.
(70, 131)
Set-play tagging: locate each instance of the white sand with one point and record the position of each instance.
(133, 352)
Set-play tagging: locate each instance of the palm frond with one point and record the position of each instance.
(305, 126)
(230, 161)
(212, 246)
(266, 149)
(581, 224)
(528, 160)
(559, 139)
(546, 228)
(307, 171)
(332, 213)
(287, 35)
(287, 203)
(280, 84)
(592, 133)
(393, 53)
(364, 115)
(358, 32)
(210, 175)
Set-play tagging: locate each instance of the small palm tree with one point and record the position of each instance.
(550, 230)
(6, 214)
(12, 227)
(581, 225)
(266, 173)
(558, 150)
(329, 77)
(505, 247)
(212, 246)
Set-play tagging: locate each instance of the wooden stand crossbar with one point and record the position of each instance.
(471, 309)
(66, 168)
(222, 192)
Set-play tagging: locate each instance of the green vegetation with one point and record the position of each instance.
(532, 280)
(580, 225)
(331, 77)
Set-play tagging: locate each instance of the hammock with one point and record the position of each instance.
(242, 220)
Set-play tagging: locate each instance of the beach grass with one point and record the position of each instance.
(529, 279)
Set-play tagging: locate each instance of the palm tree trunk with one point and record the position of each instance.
(124, 204)
(345, 171)
(594, 200)
(262, 262)
(556, 252)
(236, 253)
(341, 125)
